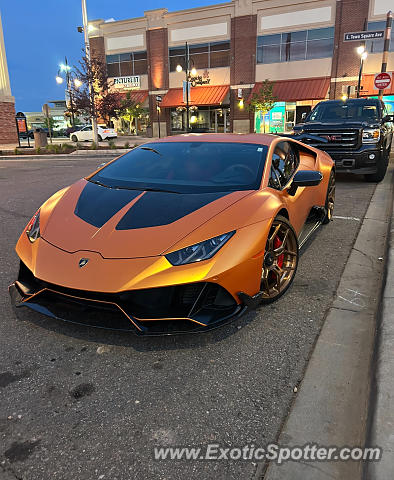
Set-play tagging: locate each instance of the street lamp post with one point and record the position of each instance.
(65, 67)
(363, 55)
(91, 88)
(189, 74)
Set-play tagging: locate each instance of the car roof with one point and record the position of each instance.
(254, 138)
(369, 101)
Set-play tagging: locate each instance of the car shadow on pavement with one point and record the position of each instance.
(128, 339)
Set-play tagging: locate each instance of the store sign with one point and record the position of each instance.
(131, 82)
(200, 80)
(21, 122)
(357, 36)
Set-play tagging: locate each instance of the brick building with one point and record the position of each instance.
(8, 132)
(235, 46)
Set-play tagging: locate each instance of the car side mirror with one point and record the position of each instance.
(304, 178)
(388, 118)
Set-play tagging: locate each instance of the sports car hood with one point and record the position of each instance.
(128, 223)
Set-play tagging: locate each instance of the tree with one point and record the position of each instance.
(130, 110)
(99, 101)
(50, 123)
(264, 100)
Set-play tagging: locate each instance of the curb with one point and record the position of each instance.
(382, 416)
(331, 407)
(64, 156)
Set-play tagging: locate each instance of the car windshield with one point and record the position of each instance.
(345, 111)
(187, 167)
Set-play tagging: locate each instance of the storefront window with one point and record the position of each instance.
(125, 64)
(201, 119)
(376, 46)
(292, 46)
(204, 55)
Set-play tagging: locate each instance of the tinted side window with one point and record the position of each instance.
(285, 161)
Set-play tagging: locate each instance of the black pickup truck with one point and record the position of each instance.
(359, 134)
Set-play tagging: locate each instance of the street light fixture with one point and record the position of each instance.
(66, 69)
(363, 55)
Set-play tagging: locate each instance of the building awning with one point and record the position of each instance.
(298, 89)
(137, 96)
(368, 87)
(200, 96)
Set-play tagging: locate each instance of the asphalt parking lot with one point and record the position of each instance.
(80, 403)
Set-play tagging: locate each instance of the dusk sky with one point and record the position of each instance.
(39, 34)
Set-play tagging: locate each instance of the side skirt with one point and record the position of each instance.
(311, 224)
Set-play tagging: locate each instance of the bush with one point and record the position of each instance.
(16, 150)
(78, 146)
(54, 148)
(93, 146)
(38, 150)
(67, 148)
(112, 145)
(127, 145)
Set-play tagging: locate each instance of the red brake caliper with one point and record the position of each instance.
(277, 244)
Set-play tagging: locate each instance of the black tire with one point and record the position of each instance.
(287, 262)
(382, 165)
(330, 199)
(74, 138)
(99, 138)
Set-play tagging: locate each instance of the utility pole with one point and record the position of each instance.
(386, 47)
(87, 53)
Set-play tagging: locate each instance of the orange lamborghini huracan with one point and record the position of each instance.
(178, 235)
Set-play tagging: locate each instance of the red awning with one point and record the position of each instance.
(298, 89)
(207, 95)
(369, 87)
(137, 96)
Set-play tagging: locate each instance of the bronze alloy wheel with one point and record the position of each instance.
(330, 200)
(280, 260)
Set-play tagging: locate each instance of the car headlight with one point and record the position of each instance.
(371, 135)
(33, 227)
(199, 251)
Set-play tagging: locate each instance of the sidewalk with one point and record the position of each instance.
(333, 405)
(131, 139)
(382, 399)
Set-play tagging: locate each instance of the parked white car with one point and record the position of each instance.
(86, 134)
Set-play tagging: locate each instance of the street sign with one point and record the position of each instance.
(158, 98)
(382, 80)
(360, 36)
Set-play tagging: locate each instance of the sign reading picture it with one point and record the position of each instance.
(132, 82)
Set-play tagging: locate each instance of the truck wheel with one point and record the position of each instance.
(381, 169)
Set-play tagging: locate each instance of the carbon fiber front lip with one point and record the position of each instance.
(134, 325)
